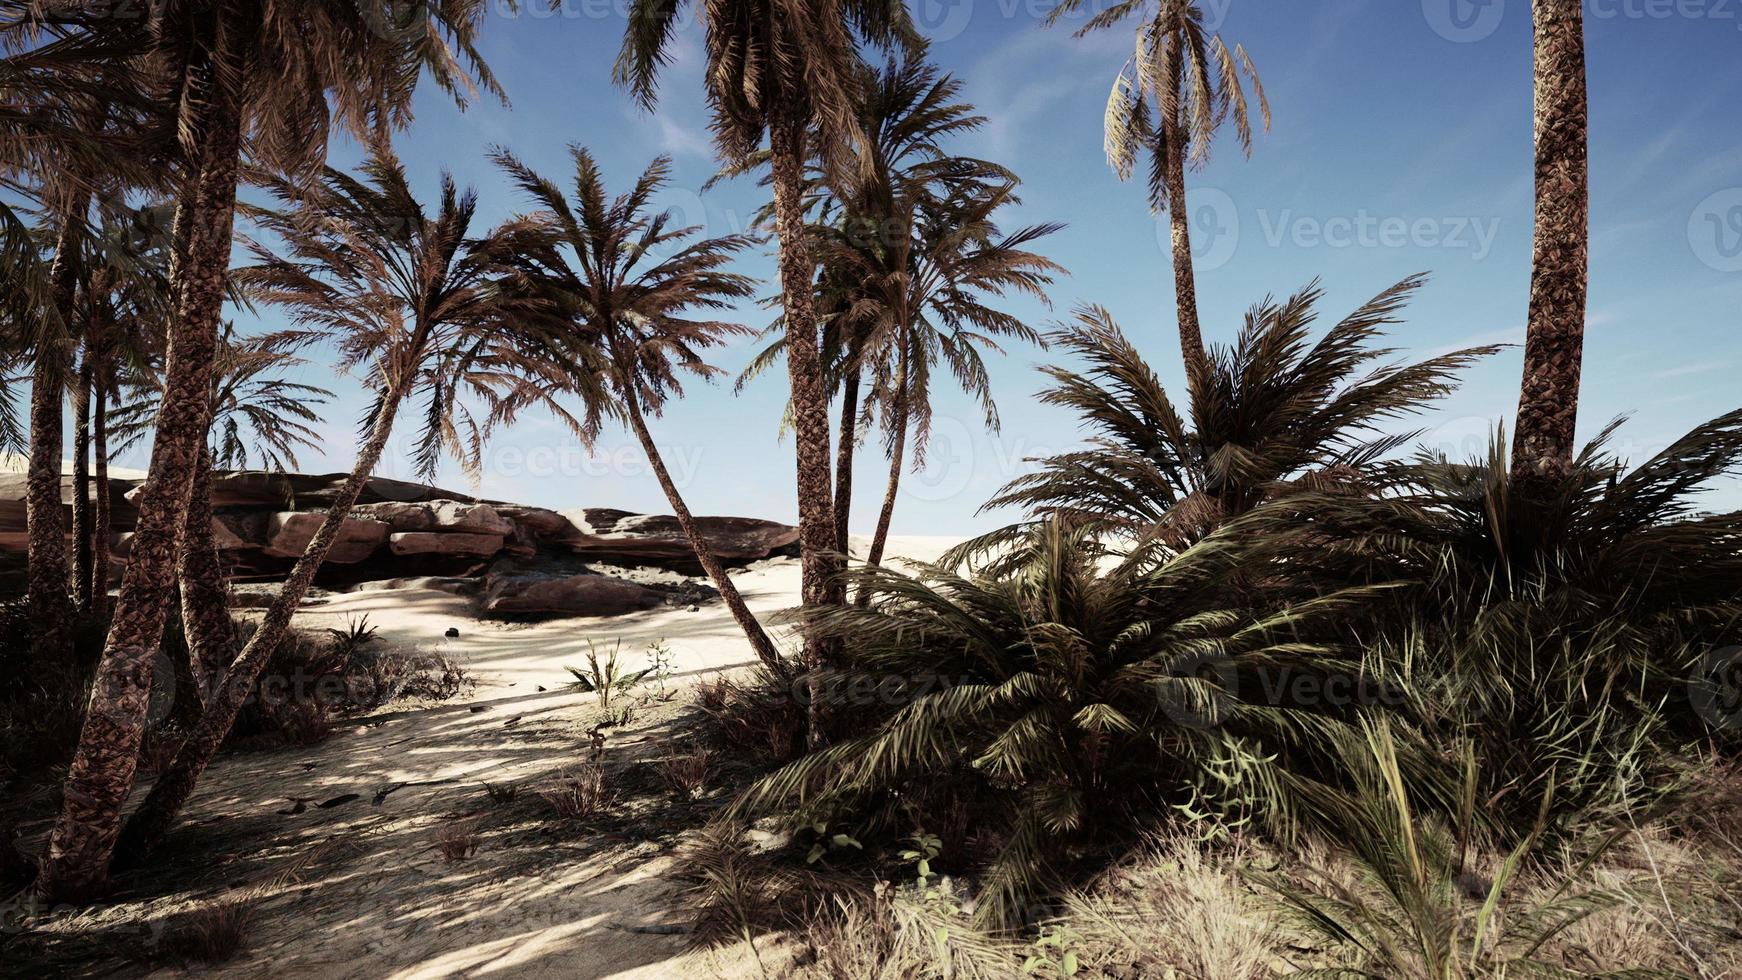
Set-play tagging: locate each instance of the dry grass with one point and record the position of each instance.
(687, 774)
(579, 793)
(457, 841)
(1179, 909)
(212, 933)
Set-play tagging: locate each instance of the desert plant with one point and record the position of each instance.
(579, 793)
(457, 840)
(604, 677)
(213, 933)
(686, 773)
(501, 794)
(1083, 689)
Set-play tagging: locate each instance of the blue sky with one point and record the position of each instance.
(1401, 143)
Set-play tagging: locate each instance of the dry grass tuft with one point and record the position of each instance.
(1178, 910)
(580, 793)
(213, 933)
(687, 774)
(457, 841)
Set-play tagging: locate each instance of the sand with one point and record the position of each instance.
(358, 889)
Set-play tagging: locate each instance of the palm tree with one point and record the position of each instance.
(929, 296)
(277, 75)
(784, 69)
(410, 298)
(1276, 414)
(1548, 399)
(613, 282)
(252, 407)
(907, 110)
(1177, 90)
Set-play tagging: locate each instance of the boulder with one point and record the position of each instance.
(454, 515)
(445, 543)
(289, 532)
(620, 537)
(568, 595)
(541, 522)
(401, 515)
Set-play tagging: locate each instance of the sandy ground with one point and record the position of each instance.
(357, 888)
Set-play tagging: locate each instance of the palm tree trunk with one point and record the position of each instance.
(821, 584)
(845, 450)
(1548, 399)
(746, 620)
(101, 775)
(81, 574)
(49, 604)
(103, 520)
(897, 452)
(205, 605)
(1185, 288)
(171, 791)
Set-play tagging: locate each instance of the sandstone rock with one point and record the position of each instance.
(288, 533)
(450, 584)
(640, 539)
(454, 515)
(541, 522)
(445, 543)
(401, 515)
(571, 595)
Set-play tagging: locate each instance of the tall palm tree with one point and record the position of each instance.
(610, 283)
(409, 297)
(1548, 399)
(1179, 87)
(274, 75)
(783, 69)
(907, 111)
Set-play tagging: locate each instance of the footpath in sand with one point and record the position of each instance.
(333, 847)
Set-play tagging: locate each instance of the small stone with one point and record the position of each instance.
(452, 633)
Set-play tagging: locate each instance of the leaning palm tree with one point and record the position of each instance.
(409, 298)
(783, 69)
(609, 284)
(1179, 87)
(1548, 399)
(1278, 413)
(274, 76)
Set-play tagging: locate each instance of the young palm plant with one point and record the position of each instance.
(1278, 413)
(1076, 695)
(1181, 85)
(784, 69)
(608, 284)
(408, 297)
